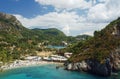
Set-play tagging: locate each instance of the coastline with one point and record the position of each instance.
(26, 63)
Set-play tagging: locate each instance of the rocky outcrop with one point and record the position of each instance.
(8, 22)
(103, 69)
(116, 30)
(115, 59)
(101, 53)
(94, 67)
(80, 66)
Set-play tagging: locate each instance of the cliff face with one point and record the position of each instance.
(8, 21)
(10, 26)
(101, 54)
(95, 68)
(111, 65)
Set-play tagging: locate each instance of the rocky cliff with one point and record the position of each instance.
(94, 67)
(100, 54)
(8, 22)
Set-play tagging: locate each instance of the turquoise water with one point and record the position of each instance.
(47, 72)
(56, 47)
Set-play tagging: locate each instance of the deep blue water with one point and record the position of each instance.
(47, 72)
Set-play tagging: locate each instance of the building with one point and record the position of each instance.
(67, 54)
(57, 58)
(33, 58)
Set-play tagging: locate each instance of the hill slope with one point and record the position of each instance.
(17, 41)
(101, 45)
(11, 28)
(52, 36)
(99, 54)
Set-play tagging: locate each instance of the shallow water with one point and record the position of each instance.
(47, 72)
(55, 47)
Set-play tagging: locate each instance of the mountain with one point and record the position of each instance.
(99, 54)
(17, 41)
(10, 24)
(82, 37)
(52, 35)
(50, 31)
(11, 28)
(104, 41)
(14, 41)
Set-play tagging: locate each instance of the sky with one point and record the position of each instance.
(73, 17)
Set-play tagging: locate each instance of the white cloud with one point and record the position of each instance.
(66, 29)
(104, 12)
(51, 20)
(97, 16)
(98, 13)
(69, 22)
(67, 4)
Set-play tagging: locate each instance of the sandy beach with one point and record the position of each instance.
(25, 63)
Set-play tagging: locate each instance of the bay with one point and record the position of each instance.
(48, 72)
(55, 47)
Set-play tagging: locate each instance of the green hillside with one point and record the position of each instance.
(102, 45)
(52, 36)
(17, 41)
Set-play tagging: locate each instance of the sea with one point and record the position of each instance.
(48, 71)
(55, 47)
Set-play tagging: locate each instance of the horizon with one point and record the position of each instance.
(73, 18)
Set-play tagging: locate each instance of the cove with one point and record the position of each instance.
(48, 72)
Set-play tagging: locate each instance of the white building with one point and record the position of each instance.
(34, 58)
(67, 54)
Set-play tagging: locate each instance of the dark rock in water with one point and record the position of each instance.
(91, 67)
(99, 69)
(103, 47)
(110, 66)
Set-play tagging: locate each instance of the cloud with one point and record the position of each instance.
(62, 21)
(104, 12)
(98, 14)
(69, 4)
(66, 30)
(52, 19)
(69, 22)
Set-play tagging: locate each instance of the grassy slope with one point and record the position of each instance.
(98, 47)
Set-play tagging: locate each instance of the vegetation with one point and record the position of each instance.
(17, 41)
(99, 47)
(50, 36)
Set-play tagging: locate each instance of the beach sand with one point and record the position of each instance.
(25, 63)
(44, 53)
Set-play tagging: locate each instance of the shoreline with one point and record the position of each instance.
(26, 63)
